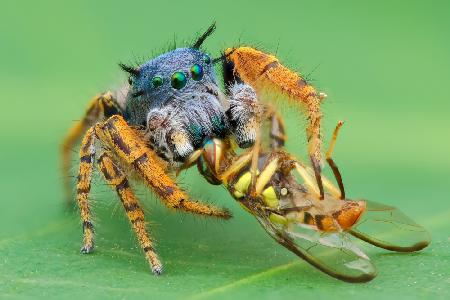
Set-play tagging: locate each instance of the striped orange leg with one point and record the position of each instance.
(117, 179)
(265, 73)
(127, 144)
(101, 106)
(87, 156)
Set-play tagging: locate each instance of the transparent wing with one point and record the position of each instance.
(387, 227)
(333, 253)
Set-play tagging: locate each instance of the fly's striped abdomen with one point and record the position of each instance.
(286, 200)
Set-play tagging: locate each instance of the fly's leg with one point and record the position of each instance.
(117, 180)
(126, 143)
(277, 130)
(333, 166)
(101, 106)
(87, 156)
(254, 162)
(264, 72)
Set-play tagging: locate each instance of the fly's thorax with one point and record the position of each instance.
(268, 192)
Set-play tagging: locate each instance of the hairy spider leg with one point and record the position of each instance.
(87, 156)
(264, 71)
(115, 177)
(133, 151)
(101, 106)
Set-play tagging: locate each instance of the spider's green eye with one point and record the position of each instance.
(197, 72)
(178, 80)
(157, 81)
(207, 60)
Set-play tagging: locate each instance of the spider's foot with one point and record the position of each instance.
(86, 249)
(157, 270)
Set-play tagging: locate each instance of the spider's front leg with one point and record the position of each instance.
(116, 178)
(128, 145)
(125, 144)
(264, 72)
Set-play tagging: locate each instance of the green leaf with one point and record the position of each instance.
(384, 65)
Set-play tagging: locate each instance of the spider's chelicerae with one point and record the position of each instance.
(172, 115)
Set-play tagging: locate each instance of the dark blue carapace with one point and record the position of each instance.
(167, 77)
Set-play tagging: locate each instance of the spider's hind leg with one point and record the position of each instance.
(115, 177)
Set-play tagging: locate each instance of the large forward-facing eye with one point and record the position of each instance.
(178, 80)
(197, 72)
(157, 81)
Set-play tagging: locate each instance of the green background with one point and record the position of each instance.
(384, 65)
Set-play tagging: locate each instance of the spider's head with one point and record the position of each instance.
(171, 74)
(178, 74)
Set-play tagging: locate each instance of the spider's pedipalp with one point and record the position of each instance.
(115, 177)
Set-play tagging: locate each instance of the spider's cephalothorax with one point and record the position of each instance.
(176, 97)
(174, 115)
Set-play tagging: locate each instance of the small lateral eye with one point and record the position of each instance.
(207, 60)
(157, 81)
(130, 81)
(197, 72)
(178, 80)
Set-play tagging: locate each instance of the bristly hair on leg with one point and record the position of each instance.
(203, 37)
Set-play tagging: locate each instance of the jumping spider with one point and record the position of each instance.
(173, 115)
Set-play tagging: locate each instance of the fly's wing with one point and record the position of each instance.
(387, 227)
(333, 254)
